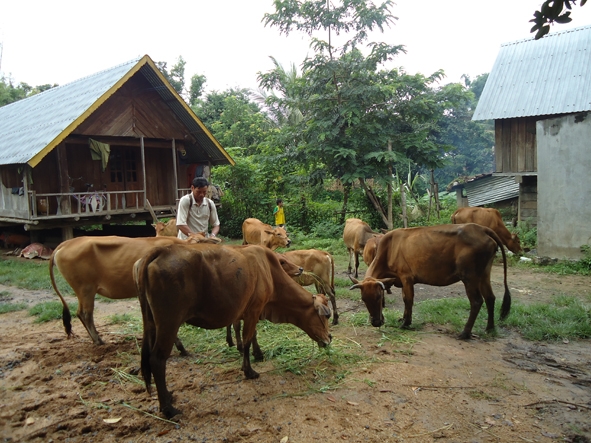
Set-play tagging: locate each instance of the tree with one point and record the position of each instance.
(176, 76)
(196, 89)
(551, 12)
(10, 93)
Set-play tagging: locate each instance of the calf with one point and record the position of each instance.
(215, 286)
(167, 229)
(255, 232)
(355, 235)
(439, 256)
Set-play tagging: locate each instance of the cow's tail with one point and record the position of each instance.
(332, 274)
(506, 305)
(140, 275)
(66, 316)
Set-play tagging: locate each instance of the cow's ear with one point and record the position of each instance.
(388, 282)
(270, 232)
(321, 308)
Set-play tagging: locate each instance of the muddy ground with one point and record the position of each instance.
(504, 389)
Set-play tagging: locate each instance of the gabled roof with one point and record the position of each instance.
(539, 77)
(31, 128)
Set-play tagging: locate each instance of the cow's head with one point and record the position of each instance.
(372, 294)
(291, 268)
(277, 238)
(201, 237)
(514, 245)
(318, 324)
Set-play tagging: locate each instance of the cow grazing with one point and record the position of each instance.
(255, 232)
(212, 287)
(319, 271)
(356, 234)
(167, 229)
(291, 270)
(437, 256)
(491, 218)
(370, 249)
(102, 265)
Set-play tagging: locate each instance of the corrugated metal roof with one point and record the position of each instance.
(491, 189)
(32, 127)
(539, 77)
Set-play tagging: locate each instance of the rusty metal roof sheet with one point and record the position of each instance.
(32, 127)
(539, 77)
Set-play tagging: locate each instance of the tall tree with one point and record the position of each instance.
(551, 12)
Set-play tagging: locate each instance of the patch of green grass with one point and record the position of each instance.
(564, 317)
(31, 274)
(51, 310)
(117, 319)
(105, 299)
(12, 307)
(4, 294)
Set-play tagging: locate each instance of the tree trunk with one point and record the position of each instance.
(374, 201)
(390, 222)
(346, 191)
(403, 204)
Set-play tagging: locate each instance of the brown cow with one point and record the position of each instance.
(11, 240)
(438, 256)
(491, 218)
(102, 265)
(356, 234)
(370, 249)
(255, 232)
(167, 229)
(319, 271)
(212, 287)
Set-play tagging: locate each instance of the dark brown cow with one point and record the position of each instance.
(255, 232)
(491, 218)
(355, 235)
(371, 248)
(438, 256)
(212, 287)
(102, 265)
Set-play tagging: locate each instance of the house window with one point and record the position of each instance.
(123, 165)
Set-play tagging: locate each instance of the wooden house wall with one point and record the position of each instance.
(134, 110)
(160, 186)
(515, 145)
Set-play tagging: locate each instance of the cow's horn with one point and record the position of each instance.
(355, 287)
(382, 285)
(151, 209)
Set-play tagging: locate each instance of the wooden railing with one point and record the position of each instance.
(84, 203)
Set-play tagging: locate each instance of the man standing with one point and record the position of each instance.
(279, 214)
(196, 212)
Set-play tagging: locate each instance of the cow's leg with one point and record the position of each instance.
(473, 293)
(489, 298)
(350, 261)
(333, 301)
(179, 345)
(229, 339)
(85, 314)
(239, 344)
(248, 333)
(256, 349)
(356, 264)
(408, 296)
(160, 352)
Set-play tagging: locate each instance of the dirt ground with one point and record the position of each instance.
(441, 389)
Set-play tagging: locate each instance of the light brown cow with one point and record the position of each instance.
(319, 271)
(212, 287)
(102, 265)
(439, 256)
(491, 218)
(167, 229)
(255, 232)
(356, 234)
(370, 249)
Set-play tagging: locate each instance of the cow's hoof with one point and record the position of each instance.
(335, 321)
(170, 411)
(251, 375)
(465, 336)
(258, 357)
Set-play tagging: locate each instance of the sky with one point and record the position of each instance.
(59, 41)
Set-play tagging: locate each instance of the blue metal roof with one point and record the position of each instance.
(32, 127)
(539, 77)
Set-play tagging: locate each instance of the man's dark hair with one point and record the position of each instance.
(279, 200)
(200, 182)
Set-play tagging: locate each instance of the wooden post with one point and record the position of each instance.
(390, 218)
(143, 168)
(64, 203)
(175, 172)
